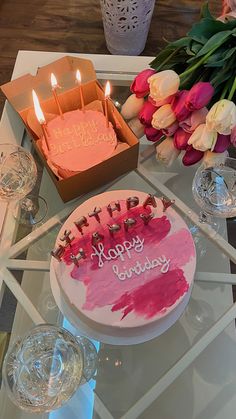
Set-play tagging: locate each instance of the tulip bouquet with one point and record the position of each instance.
(186, 101)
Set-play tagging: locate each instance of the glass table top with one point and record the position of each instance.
(172, 374)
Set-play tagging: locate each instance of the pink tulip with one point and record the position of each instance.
(179, 107)
(222, 143)
(152, 134)
(233, 136)
(199, 95)
(181, 138)
(169, 131)
(194, 119)
(161, 102)
(145, 115)
(192, 156)
(140, 85)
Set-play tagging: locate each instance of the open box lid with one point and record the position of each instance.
(19, 91)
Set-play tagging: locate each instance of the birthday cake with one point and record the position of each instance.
(78, 141)
(124, 259)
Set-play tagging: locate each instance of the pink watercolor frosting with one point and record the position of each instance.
(79, 141)
(136, 276)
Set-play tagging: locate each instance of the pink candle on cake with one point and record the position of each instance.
(40, 116)
(107, 95)
(55, 86)
(78, 78)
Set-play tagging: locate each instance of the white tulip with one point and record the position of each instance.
(132, 107)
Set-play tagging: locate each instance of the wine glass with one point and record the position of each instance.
(214, 190)
(18, 175)
(42, 370)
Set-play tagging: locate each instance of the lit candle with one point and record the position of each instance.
(78, 78)
(107, 95)
(40, 116)
(55, 86)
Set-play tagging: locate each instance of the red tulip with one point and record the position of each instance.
(222, 143)
(140, 85)
(145, 115)
(181, 138)
(199, 95)
(192, 156)
(153, 134)
(179, 107)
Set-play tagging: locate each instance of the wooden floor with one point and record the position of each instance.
(76, 26)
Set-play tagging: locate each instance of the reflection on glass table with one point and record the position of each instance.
(18, 175)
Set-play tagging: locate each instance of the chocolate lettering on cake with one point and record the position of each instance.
(125, 248)
(84, 134)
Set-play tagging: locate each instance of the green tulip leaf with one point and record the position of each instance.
(182, 42)
(230, 52)
(205, 29)
(216, 40)
(220, 76)
(163, 55)
(205, 12)
(195, 47)
(219, 58)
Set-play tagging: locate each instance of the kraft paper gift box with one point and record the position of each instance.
(19, 94)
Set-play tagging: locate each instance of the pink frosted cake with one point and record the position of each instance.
(78, 141)
(123, 260)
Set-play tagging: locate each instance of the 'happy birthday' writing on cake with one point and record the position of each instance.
(125, 248)
(83, 134)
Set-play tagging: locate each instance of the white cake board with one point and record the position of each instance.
(117, 336)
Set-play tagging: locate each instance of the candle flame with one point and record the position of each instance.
(37, 108)
(78, 76)
(107, 89)
(53, 81)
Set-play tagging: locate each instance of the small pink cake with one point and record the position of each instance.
(123, 263)
(79, 141)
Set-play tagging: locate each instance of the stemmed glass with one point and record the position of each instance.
(42, 370)
(18, 175)
(214, 190)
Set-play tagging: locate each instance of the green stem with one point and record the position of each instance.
(168, 58)
(232, 90)
(223, 94)
(200, 62)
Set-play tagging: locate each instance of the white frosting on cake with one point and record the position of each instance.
(130, 278)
